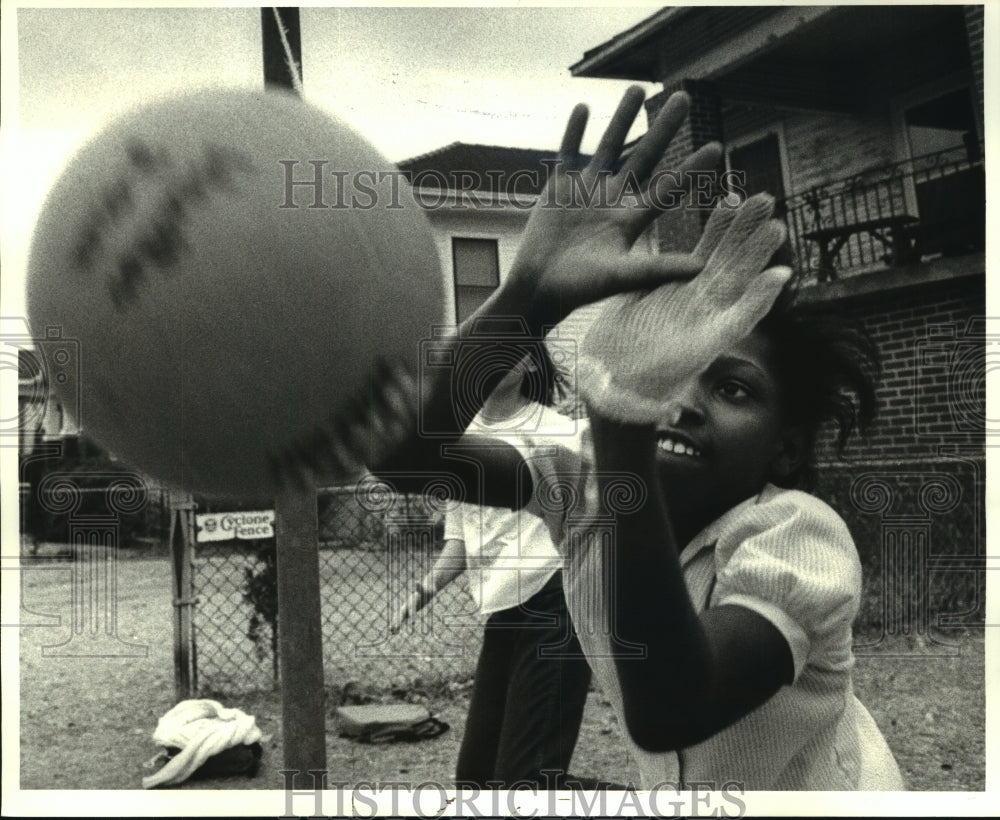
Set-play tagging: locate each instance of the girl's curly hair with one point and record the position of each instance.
(828, 367)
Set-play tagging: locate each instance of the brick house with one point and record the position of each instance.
(866, 123)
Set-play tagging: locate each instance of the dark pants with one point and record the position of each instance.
(527, 700)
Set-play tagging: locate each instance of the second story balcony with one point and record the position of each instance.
(899, 214)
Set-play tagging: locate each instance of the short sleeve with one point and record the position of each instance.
(453, 526)
(792, 560)
(557, 469)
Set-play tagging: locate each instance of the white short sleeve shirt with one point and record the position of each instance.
(789, 557)
(511, 554)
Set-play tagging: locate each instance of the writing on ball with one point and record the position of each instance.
(156, 238)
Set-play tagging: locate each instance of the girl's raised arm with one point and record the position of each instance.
(575, 250)
(699, 673)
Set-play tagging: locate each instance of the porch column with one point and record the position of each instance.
(680, 231)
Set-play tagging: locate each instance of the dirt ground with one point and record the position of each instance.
(86, 722)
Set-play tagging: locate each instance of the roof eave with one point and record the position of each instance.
(597, 62)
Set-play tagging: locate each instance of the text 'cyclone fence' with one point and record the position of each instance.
(373, 548)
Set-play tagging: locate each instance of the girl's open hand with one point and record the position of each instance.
(575, 249)
(643, 344)
(416, 601)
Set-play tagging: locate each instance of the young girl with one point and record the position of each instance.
(713, 600)
(531, 680)
(718, 620)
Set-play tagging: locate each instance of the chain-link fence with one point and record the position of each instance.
(370, 558)
(919, 528)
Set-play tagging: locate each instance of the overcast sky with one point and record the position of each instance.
(410, 79)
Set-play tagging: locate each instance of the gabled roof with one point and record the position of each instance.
(488, 168)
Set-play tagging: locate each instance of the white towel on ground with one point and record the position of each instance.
(200, 729)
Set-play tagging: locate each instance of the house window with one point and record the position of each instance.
(946, 184)
(477, 273)
(943, 123)
(761, 162)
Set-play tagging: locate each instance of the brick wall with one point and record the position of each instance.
(703, 125)
(913, 492)
(974, 32)
(932, 392)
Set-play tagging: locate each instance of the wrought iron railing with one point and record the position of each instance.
(890, 215)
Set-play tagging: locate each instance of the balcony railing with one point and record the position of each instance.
(892, 215)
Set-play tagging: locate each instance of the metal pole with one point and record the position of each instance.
(181, 557)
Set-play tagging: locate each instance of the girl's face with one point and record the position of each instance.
(724, 438)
